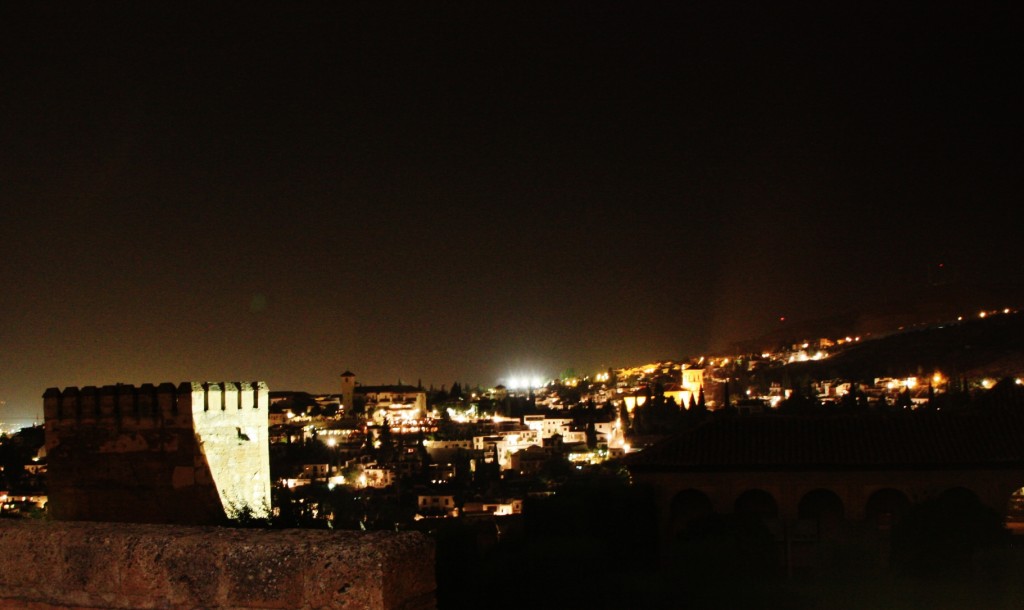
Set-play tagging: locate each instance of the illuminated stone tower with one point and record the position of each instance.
(348, 390)
(189, 454)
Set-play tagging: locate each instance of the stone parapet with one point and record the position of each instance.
(118, 566)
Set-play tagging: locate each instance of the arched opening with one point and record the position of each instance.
(959, 494)
(757, 502)
(687, 507)
(822, 509)
(885, 507)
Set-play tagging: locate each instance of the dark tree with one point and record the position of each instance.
(799, 402)
(903, 400)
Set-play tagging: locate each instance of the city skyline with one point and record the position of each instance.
(444, 194)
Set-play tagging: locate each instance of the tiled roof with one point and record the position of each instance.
(776, 442)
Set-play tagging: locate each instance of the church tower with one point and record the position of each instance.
(348, 390)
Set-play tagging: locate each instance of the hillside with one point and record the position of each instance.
(990, 347)
(936, 304)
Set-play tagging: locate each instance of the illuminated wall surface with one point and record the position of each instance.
(189, 454)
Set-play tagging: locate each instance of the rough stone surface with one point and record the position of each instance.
(119, 566)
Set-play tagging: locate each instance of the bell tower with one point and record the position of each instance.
(348, 390)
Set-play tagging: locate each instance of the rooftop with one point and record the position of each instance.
(992, 438)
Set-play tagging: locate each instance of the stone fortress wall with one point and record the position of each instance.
(136, 478)
(194, 453)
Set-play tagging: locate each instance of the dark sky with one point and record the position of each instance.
(461, 191)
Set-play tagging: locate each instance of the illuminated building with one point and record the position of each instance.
(393, 403)
(436, 505)
(548, 426)
(503, 444)
(692, 380)
(377, 476)
(530, 461)
(495, 508)
(444, 450)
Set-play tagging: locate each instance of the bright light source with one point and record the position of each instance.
(525, 382)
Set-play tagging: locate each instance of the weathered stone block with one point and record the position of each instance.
(117, 566)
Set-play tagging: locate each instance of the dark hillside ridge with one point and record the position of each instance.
(989, 347)
(932, 305)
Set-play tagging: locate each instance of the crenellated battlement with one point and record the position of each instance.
(121, 403)
(184, 453)
(227, 395)
(125, 406)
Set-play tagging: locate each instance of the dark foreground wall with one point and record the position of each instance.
(84, 565)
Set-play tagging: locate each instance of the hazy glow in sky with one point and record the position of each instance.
(449, 194)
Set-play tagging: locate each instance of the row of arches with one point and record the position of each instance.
(882, 508)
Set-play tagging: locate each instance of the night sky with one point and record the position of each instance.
(445, 191)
